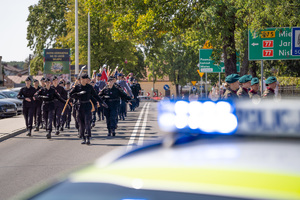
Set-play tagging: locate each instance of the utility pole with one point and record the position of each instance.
(1, 70)
(89, 44)
(76, 39)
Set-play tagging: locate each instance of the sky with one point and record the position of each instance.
(13, 29)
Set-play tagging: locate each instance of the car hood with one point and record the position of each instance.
(5, 102)
(17, 101)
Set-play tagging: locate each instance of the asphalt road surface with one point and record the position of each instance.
(28, 161)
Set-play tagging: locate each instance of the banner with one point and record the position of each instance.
(56, 61)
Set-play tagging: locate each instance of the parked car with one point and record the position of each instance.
(18, 102)
(9, 93)
(17, 89)
(7, 108)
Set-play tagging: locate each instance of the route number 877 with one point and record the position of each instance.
(267, 34)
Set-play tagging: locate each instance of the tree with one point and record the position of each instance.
(46, 22)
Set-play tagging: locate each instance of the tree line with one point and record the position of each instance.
(164, 35)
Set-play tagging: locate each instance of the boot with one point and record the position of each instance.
(29, 132)
(62, 128)
(123, 117)
(113, 132)
(83, 140)
(57, 131)
(37, 128)
(88, 141)
(78, 134)
(48, 135)
(93, 124)
(68, 125)
(109, 132)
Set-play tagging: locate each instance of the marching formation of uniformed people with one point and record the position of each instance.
(51, 103)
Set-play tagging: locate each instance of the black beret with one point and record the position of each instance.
(43, 79)
(28, 78)
(99, 75)
(68, 83)
(84, 76)
(61, 82)
(54, 78)
(47, 79)
(111, 78)
(34, 80)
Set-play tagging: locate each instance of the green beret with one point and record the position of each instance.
(232, 78)
(271, 79)
(245, 78)
(254, 81)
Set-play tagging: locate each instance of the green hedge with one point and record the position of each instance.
(289, 81)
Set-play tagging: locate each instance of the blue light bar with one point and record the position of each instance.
(197, 116)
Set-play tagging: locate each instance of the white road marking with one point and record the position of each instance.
(142, 134)
(136, 127)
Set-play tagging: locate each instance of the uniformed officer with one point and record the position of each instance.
(124, 85)
(83, 93)
(64, 95)
(271, 85)
(112, 94)
(99, 85)
(138, 88)
(134, 90)
(43, 85)
(27, 93)
(48, 94)
(245, 85)
(232, 85)
(58, 105)
(37, 114)
(68, 111)
(254, 88)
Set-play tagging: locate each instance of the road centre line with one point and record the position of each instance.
(136, 127)
(142, 134)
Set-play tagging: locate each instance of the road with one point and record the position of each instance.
(28, 161)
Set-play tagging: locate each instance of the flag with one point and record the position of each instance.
(104, 75)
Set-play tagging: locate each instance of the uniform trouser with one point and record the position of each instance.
(66, 117)
(28, 116)
(75, 117)
(122, 108)
(37, 114)
(48, 117)
(111, 114)
(100, 112)
(94, 115)
(132, 106)
(57, 116)
(84, 117)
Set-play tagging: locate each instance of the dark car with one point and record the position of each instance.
(9, 93)
(18, 102)
(7, 108)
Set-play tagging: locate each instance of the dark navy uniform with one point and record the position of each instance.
(66, 118)
(112, 99)
(135, 92)
(58, 107)
(83, 94)
(48, 96)
(98, 87)
(28, 106)
(37, 114)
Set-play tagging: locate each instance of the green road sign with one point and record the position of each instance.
(271, 44)
(206, 64)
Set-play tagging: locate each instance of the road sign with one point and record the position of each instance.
(194, 88)
(148, 94)
(166, 87)
(271, 44)
(296, 41)
(208, 65)
(200, 73)
(194, 82)
(155, 94)
(160, 94)
(207, 45)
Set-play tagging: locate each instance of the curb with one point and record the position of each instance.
(12, 134)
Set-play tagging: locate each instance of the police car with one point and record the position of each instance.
(216, 150)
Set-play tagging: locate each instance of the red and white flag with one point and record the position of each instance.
(104, 75)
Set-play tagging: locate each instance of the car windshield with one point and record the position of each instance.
(2, 96)
(10, 94)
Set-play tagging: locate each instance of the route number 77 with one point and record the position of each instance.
(268, 53)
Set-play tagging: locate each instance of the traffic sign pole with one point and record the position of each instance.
(206, 84)
(262, 76)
